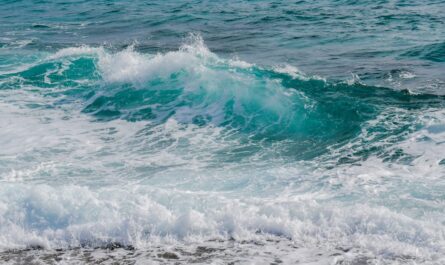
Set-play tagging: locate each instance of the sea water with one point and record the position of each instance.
(215, 132)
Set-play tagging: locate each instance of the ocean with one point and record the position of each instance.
(222, 132)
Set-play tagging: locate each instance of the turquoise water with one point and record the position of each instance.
(309, 132)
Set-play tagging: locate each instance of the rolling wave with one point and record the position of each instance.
(129, 148)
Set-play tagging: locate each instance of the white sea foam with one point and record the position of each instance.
(354, 79)
(72, 215)
(131, 66)
(75, 51)
(291, 70)
(191, 204)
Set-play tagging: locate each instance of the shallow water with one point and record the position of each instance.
(245, 132)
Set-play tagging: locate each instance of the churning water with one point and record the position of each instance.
(215, 132)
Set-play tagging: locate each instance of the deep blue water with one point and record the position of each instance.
(309, 131)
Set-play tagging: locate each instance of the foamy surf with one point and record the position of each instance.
(184, 156)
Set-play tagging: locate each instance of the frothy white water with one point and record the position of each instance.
(44, 202)
(139, 215)
(131, 66)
